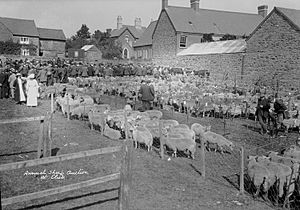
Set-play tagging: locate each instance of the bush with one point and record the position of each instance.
(10, 48)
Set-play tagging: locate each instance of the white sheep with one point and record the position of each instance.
(141, 134)
(111, 133)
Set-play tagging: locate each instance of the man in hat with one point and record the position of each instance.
(147, 94)
(262, 113)
(11, 81)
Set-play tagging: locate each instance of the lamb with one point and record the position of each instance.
(141, 134)
(259, 175)
(111, 133)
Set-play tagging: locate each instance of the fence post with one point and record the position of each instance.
(52, 103)
(161, 140)
(41, 139)
(242, 190)
(126, 175)
(203, 157)
(50, 133)
(187, 114)
(68, 107)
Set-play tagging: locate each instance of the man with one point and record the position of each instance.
(262, 113)
(279, 110)
(147, 95)
(11, 81)
(20, 96)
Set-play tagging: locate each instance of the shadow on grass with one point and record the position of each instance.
(76, 197)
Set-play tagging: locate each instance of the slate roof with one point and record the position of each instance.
(20, 27)
(219, 47)
(185, 19)
(292, 14)
(136, 33)
(52, 34)
(146, 38)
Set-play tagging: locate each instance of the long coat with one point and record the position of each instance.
(147, 92)
(17, 90)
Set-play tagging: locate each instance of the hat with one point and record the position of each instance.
(30, 76)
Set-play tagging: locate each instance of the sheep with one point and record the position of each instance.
(81, 111)
(291, 123)
(292, 152)
(281, 172)
(259, 175)
(141, 134)
(213, 138)
(97, 119)
(111, 133)
(154, 114)
(180, 139)
(198, 129)
(181, 126)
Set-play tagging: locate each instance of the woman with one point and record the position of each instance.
(32, 90)
(19, 89)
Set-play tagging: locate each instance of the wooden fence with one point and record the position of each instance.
(124, 175)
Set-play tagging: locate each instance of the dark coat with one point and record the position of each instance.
(17, 90)
(263, 107)
(147, 92)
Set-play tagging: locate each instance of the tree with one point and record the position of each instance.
(83, 32)
(110, 48)
(228, 37)
(207, 38)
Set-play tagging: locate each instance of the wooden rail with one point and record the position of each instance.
(54, 191)
(29, 163)
(20, 120)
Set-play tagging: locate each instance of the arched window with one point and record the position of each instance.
(127, 38)
(125, 53)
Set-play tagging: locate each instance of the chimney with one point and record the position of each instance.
(138, 23)
(119, 22)
(263, 10)
(195, 5)
(164, 4)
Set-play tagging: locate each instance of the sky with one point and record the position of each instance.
(69, 15)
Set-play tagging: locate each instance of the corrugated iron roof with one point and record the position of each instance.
(186, 19)
(136, 32)
(220, 47)
(292, 14)
(89, 47)
(54, 34)
(20, 27)
(146, 38)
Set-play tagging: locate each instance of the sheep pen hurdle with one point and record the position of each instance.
(42, 142)
(124, 175)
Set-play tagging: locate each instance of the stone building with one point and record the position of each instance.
(179, 27)
(33, 40)
(20, 31)
(143, 46)
(127, 35)
(91, 53)
(52, 42)
(273, 50)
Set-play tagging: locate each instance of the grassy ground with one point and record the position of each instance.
(172, 183)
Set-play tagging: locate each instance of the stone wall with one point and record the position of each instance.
(273, 53)
(164, 39)
(52, 48)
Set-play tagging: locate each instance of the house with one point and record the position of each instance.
(143, 46)
(127, 35)
(273, 50)
(52, 42)
(91, 53)
(20, 31)
(76, 54)
(179, 27)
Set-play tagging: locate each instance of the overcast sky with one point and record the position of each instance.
(102, 14)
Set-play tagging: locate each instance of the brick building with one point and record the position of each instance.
(273, 50)
(127, 35)
(25, 32)
(179, 27)
(20, 31)
(143, 46)
(52, 42)
(91, 53)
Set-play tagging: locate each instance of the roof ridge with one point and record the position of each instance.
(287, 8)
(215, 10)
(58, 29)
(17, 19)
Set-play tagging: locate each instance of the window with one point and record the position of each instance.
(75, 54)
(183, 41)
(127, 38)
(24, 40)
(25, 52)
(139, 53)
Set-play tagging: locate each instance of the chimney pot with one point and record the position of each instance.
(195, 5)
(263, 10)
(164, 4)
(138, 23)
